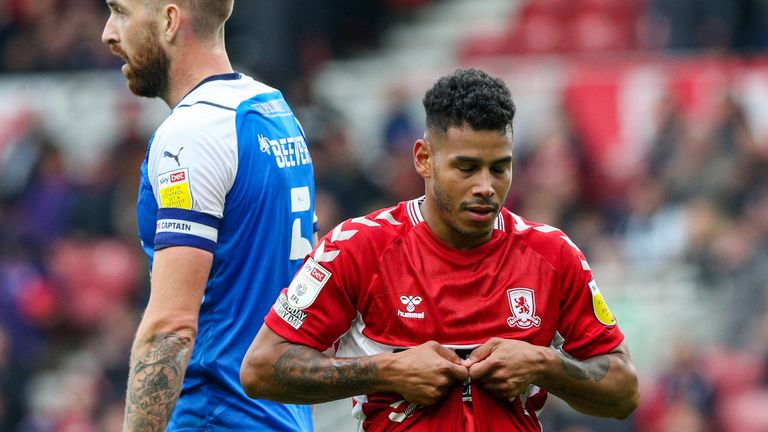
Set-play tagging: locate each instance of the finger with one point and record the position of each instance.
(448, 354)
(480, 370)
(458, 372)
(481, 352)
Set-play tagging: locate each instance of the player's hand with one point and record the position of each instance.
(427, 372)
(505, 368)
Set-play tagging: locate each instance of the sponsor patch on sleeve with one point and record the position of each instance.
(174, 189)
(307, 284)
(294, 317)
(602, 313)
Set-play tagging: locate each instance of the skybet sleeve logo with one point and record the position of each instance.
(307, 284)
(174, 189)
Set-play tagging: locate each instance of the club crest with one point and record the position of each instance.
(522, 303)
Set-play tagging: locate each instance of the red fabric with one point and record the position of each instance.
(526, 283)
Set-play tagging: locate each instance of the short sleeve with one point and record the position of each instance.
(586, 323)
(320, 303)
(192, 166)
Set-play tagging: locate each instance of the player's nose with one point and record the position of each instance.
(484, 185)
(109, 35)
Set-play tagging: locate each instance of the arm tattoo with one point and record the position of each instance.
(595, 369)
(306, 372)
(154, 383)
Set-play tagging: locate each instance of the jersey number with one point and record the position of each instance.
(300, 202)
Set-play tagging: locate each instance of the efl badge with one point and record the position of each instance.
(602, 313)
(523, 306)
(174, 189)
(307, 283)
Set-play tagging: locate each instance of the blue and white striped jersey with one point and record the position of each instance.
(229, 172)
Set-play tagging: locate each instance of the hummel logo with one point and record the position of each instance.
(410, 302)
(173, 156)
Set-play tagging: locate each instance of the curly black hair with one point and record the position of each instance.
(469, 97)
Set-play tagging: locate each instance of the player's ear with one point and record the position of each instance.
(171, 21)
(423, 158)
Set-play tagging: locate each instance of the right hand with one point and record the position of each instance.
(427, 372)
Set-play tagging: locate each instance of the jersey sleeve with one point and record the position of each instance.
(320, 303)
(586, 323)
(192, 166)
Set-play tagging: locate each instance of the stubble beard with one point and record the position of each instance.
(446, 206)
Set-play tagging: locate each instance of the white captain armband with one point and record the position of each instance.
(180, 227)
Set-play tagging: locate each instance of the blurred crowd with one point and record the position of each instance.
(73, 280)
(293, 35)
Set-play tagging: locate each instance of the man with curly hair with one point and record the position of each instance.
(448, 312)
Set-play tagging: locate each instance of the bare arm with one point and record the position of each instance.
(278, 370)
(163, 343)
(604, 385)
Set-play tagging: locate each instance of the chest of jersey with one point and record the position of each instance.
(422, 291)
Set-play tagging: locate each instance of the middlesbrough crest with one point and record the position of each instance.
(523, 306)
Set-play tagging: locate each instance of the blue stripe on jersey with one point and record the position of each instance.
(181, 227)
(146, 209)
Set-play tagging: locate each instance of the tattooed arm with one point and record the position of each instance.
(604, 385)
(282, 371)
(163, 343)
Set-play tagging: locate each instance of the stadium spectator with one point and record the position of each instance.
(419, 297)
(225, 214)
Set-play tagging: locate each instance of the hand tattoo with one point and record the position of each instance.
(154, 383)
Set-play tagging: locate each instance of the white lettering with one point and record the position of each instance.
(294, 317)
(176, 226)
(290, 152)
(416, 315)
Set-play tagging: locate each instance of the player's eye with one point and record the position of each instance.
(116, 9)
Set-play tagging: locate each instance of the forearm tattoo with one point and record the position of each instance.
(154, 383)
(595, 369)
(307, 373)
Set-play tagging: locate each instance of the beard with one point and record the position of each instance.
(147, 72)
(448, 209)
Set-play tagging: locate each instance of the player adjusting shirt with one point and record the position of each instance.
(385, 282)
(229, 172)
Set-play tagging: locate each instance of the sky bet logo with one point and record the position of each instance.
(315, 273)
(178, 176)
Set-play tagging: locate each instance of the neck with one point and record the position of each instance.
(187, 70)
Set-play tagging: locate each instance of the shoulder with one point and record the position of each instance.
(367, 235)
(551, 243)
(225, 94)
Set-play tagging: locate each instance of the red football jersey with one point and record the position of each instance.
(385, 282)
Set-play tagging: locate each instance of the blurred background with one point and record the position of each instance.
(642, 132)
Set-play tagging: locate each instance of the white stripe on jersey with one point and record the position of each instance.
(411, 214)
(180, 226)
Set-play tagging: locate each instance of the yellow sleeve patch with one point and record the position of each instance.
(174, 189)
(602, 312)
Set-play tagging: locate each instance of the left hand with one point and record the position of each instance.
(505, 367)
